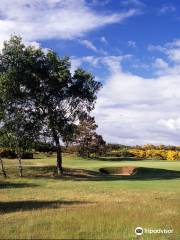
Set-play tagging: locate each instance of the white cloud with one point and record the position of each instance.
(174, 54)
(33, 43)
(174, 43)
(170, 49)
(136, 3)
(156, 48)
(100, 2)
(131, 44)
(103, 40)
(135, 110)
(113, 63)
(172, 124)
(167, 8)
(88, 44)
(75, 63)
(46, 19)
(160, 64)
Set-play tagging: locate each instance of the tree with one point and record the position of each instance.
(87, 138)
(40, 84)
(1, 161)
(2, 168)
(1, 141)
(18, 134)
(85, 131)
(98, 145)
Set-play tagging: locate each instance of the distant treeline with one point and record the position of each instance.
(160, 152)
(147, 151)
(114, 146)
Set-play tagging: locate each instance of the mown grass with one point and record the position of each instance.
(84, 204)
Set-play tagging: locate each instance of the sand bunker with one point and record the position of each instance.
(140, 172)
(122, 171)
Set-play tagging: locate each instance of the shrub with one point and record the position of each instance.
(7, 153)
(173, 155)
(27, 155)
(139, 153)
(44, 147)
(120, 153)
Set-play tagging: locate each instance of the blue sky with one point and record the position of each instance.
(131, 46)
(154, 22)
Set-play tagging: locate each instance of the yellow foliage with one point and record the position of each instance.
(173, 155)
(156, 154)
(138, 153)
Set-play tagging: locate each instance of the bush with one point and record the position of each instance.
(173, 155)
(7, 153)
(44, 147)
(27, 155)
(49, 154)
(138, 153)
(122, 153)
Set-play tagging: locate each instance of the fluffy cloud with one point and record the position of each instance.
(172, 124)
(160, 63)
(171, 62)
(170, 49)
(161, 66)
(45, 19)
(135, 110)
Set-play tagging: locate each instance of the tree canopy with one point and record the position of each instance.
(38, 86)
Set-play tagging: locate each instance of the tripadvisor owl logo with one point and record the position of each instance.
(139, 231)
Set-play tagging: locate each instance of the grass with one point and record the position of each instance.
(85, 204)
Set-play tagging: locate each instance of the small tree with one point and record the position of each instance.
(1, 161)
(98, 145)
(85, 132)
(19, 133)
(87, 138)
(2, 168)
(2, 139)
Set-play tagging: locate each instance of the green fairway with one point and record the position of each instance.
(85, 204)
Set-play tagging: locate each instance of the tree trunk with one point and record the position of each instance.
(59, 159)
(20, 166)
(87, 148)
(2, 168)
(59, 154)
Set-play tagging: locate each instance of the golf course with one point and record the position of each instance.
(87, 203)
(90, 120)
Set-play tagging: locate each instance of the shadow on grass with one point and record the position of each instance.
(15, 206)
(89, 175)
(75, 174)
(5, 185)
(141, 174)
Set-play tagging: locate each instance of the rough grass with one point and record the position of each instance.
(85, 204)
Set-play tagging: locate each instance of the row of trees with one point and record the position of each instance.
(156, 147)
(41, 98)
(116, 147)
